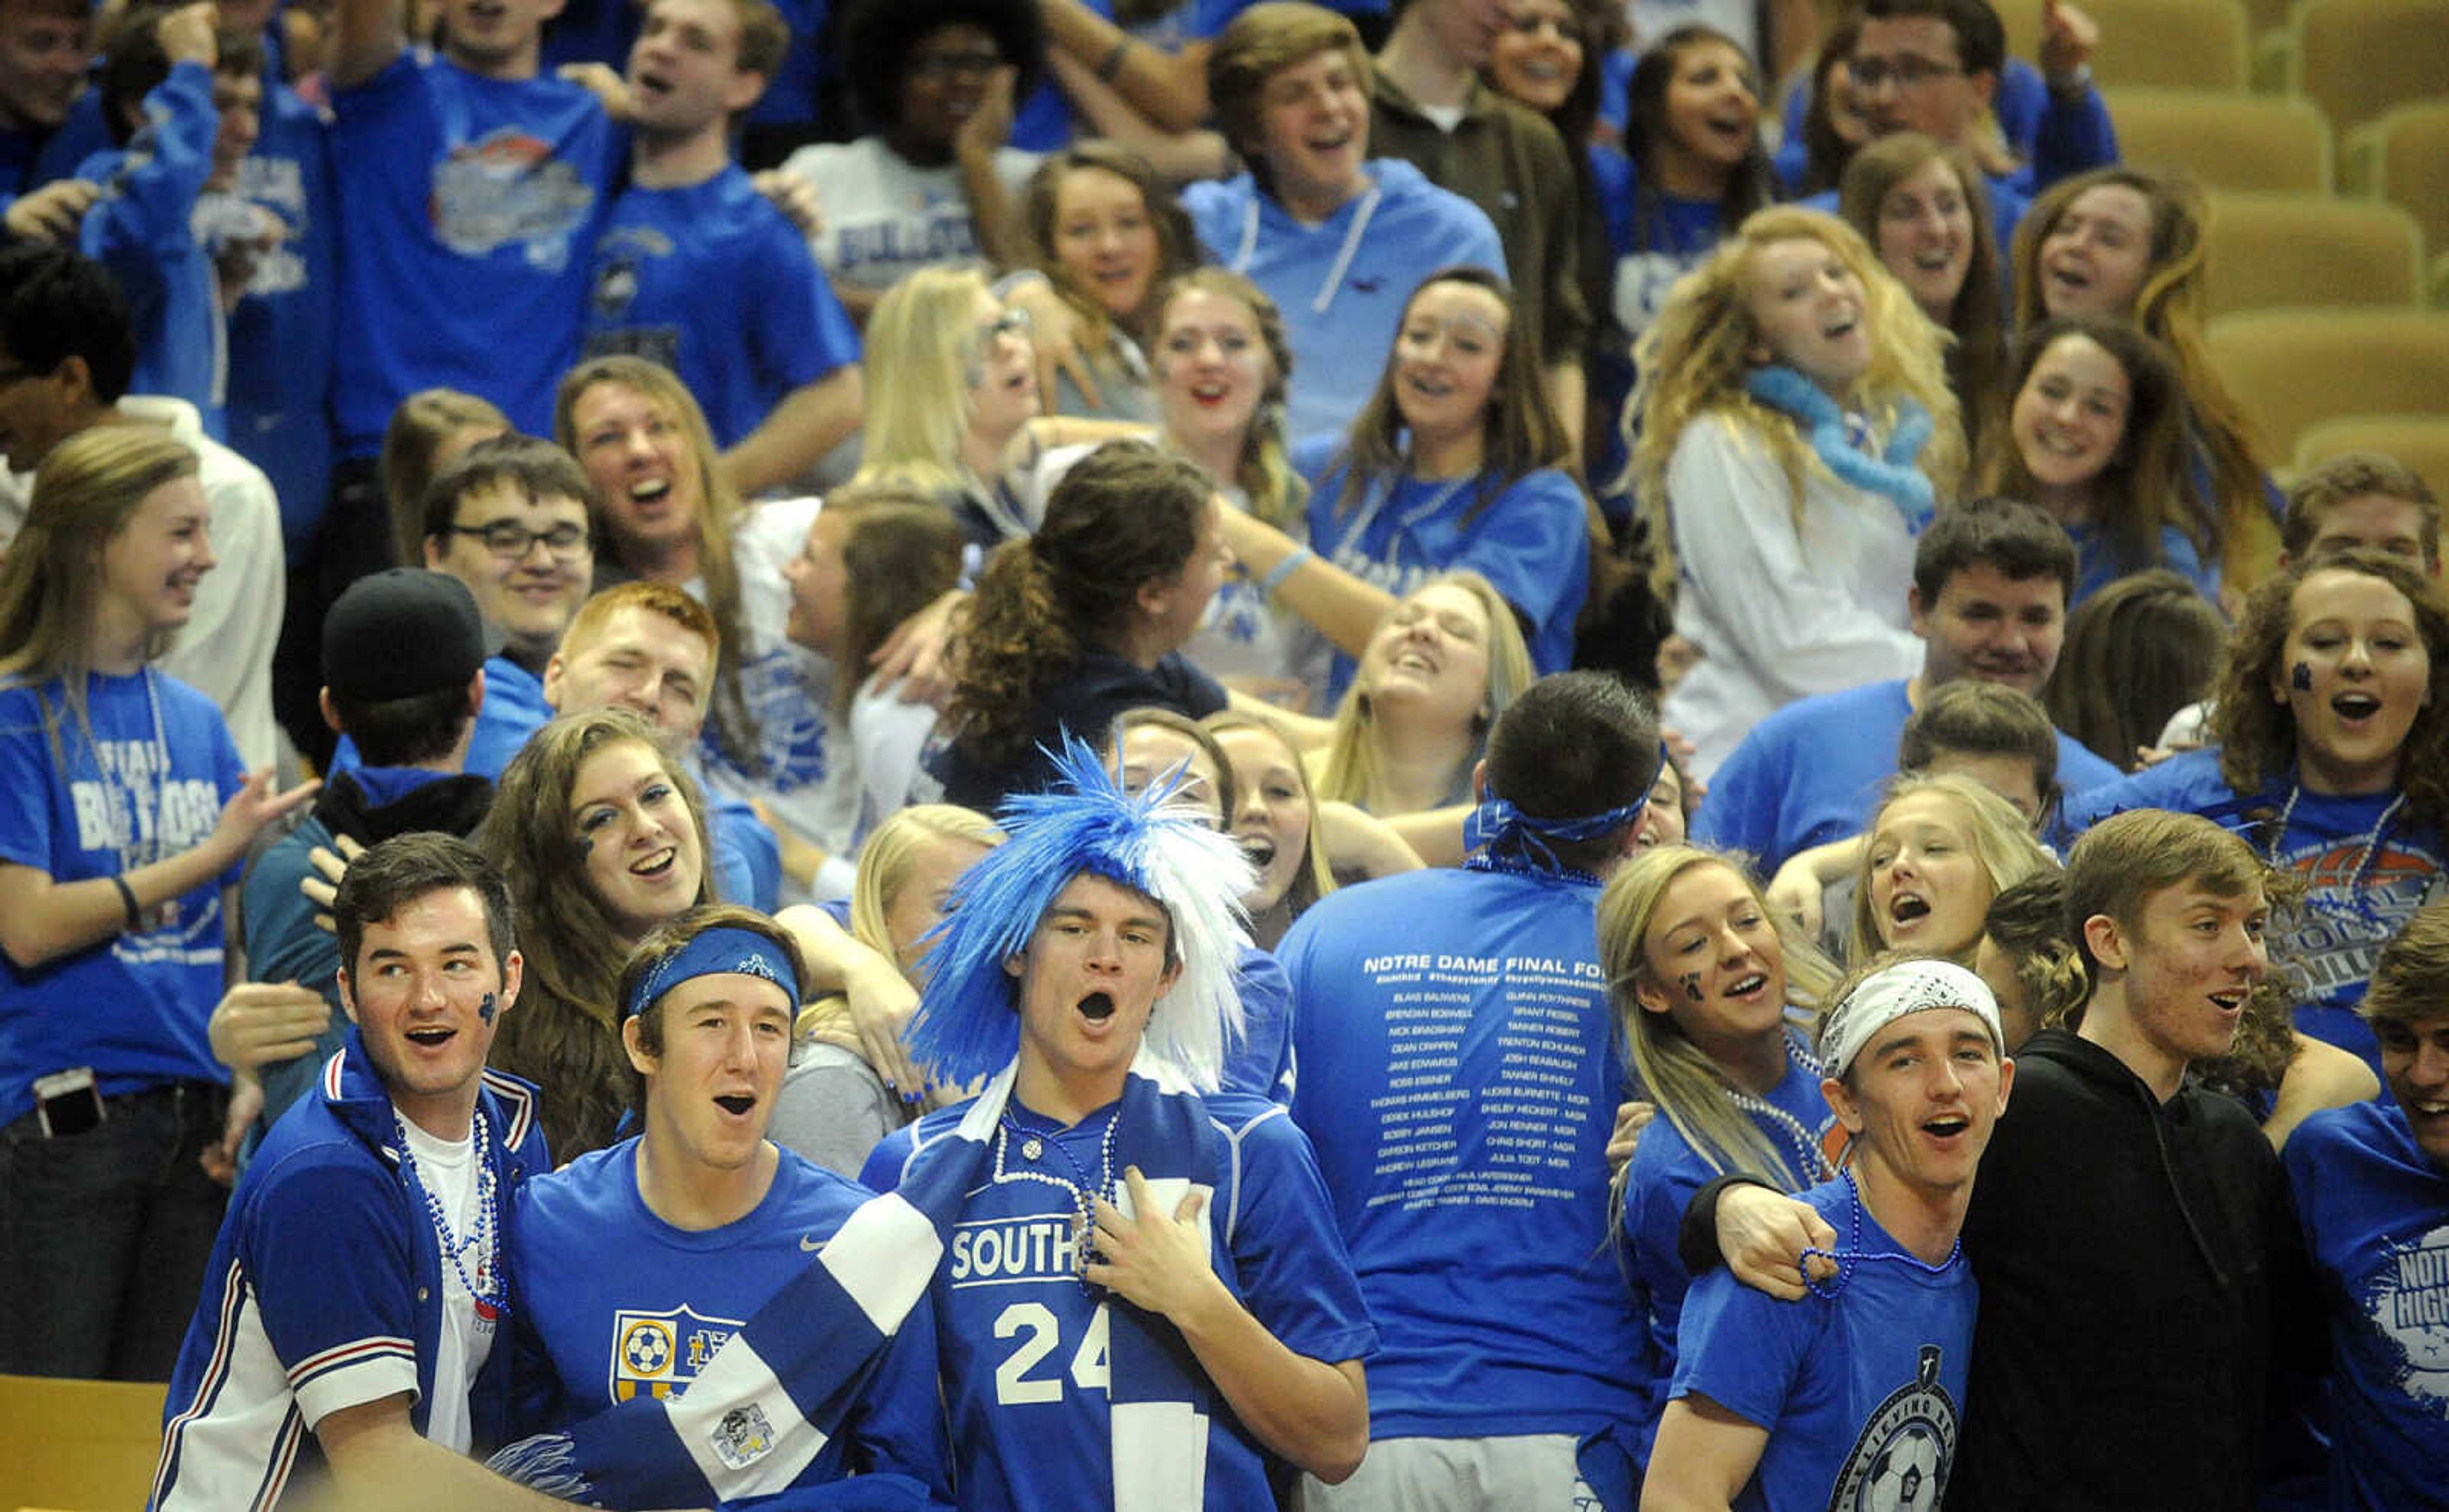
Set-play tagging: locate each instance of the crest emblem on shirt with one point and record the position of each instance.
(658, 1354)
(1900, 1460)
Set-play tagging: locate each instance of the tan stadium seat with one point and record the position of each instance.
(78, 1446)
(2419, 441)
(2292, 369)
(2224, 141)
(2266, 250)
(2172, 43)
(2357, 58)
(2403, 157)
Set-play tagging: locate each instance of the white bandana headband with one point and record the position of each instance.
(1887, 995)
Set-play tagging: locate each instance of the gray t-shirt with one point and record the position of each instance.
(834, 1109)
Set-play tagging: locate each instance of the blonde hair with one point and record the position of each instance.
(884, 864)
(412, 453)
(1690, 1089)
(1276, 491)
(2000, 838)
(1694, 358)
(86, 492)
(719, 512)
(918, 403)
(1349, 773)
(1316, 878)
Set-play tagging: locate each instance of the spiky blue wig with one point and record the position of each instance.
(968, 1022)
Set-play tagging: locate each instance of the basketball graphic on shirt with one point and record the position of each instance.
(2408, 1302)
(1900, 1460)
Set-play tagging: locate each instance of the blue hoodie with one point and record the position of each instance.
(139, 230)
(1343, 282)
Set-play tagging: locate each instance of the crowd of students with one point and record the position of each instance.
(1190, 767)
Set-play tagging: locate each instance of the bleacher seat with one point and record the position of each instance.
(2419, 441)
(2267, 250)
(2357, 58)
(2226, 141)
(2403, 157)
(2292, 369)
(78, 1446)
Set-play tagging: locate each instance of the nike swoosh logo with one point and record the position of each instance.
(809, 1246)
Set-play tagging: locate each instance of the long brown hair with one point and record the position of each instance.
(2135, 653)
(1976, 360)
(735, 723)
(1520, 428)
(903, 553)
(566, 1035)
(2168, 308)
(1276, 492)
(85, 492)
(1177, 244)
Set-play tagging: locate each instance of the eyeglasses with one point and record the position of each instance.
(1906, 72)
(510, 541)
(939, 68)
(1013, 322)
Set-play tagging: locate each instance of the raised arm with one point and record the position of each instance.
(1170, 89)
(808, 422)
(1343, 609)
(367, 36)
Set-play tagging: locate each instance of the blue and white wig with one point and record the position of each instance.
(968, 1024)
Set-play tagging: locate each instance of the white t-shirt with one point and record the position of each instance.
(885, 216)
(448, 1172)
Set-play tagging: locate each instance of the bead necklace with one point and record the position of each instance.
(1033, 1145)
(1812, 1165)
(2366, 858)
(1853, 1251)
(491, 1298)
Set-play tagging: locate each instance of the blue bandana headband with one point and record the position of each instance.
(1498, 827)
(715, 952)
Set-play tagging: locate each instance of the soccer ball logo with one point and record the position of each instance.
(1904, 1474)
(648, 1349)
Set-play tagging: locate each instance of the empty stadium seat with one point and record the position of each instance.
(2419, 441)
(2292, 369)
(2357, 58)
(2403, 157)
(2267, 250)
(78, 1446)
(2226, 141)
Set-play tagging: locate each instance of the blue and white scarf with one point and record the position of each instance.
(776, 1392)
(1839, 439)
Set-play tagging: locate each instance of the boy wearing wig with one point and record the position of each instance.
(1337, 239)
(2372, 1190)
(1851, 1398)
(707, 1217)
(2142, 1281)
(1136, 1287)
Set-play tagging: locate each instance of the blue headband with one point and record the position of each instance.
(1497, 826)
(713, 953)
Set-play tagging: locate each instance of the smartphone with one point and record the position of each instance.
(67, 1102)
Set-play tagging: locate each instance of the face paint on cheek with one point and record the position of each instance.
(2300, 676)
(485, 1009)
(1690, 981)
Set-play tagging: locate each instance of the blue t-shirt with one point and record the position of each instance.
(1651, 250)
(593, 1335)
(1262, 1065)
(471, 204)
(513, 710)
(141, 229)
(1530, 540)
(1022, 1341)
(1811, 772)
(1341, 283)
(147, 783)
(2367, 867)
(1666, 1172)
(1459, 1078)
(2375, 1210)
(1861, 1392)
(716, 284)
(2097, 564)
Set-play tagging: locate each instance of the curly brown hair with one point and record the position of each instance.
(2257, 733)
(1127, 515)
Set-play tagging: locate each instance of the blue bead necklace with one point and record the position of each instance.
(1853, 1252)
(483, 1240)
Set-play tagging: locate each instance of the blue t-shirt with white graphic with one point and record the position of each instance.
(471, 206)
(716, 284)
(1529, 539)
(2375, 1210)
(1459, 1078)
(1861, 1393)
(593, 1332)
(2366, 869)
(1022, 1340)
(100, 800)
